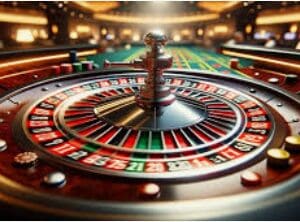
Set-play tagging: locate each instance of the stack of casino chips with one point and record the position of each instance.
(67, 68)
(25, 159)
(56, 69)
(83, 66)
(87, 65)
(77, 67)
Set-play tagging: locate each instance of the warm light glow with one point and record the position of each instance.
(221, 29)
(73, 35)
(217, 6)
(54, 29)
(93, 41)
(110, 37)
(44, 58)
(294, 28)
(133, 115)
(160, 3)
(103, 31)
(24, 36)
(127, 47)
(126, 31)
(262, 32)
(156, 20)
(200, 32)
(211, 33)
(248, 29)
(35, 33)
(112, 106)
(177, 38)
(279, 18)
(263, 59)
(136, 37)
(83, 28)
(23, 18)
(98, 6)
(185, 32)
(157, 30)
(43, 34)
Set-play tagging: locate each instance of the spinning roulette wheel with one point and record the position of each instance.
(150, 143)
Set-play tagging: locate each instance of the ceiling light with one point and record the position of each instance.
(278, 18)
(23, 18)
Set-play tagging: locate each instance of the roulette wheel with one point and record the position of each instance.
(150, 143)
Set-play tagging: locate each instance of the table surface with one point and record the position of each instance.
(184, 57)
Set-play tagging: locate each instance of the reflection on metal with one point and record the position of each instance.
(155, 107)
(107, 108)
(130, 115)
(154, 94)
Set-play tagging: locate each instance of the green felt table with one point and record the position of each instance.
(184, 57)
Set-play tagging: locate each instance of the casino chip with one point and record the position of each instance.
(26, 159)
(273, 80)
(291, 78)
(149, 190)
(278, 157)
(77, 67)
(56, 69)
(55, 179)
(66, 68)
(292, 143)
(249, 178)
(87, 65)
(3, 145)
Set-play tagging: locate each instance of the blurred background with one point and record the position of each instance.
(123, 24)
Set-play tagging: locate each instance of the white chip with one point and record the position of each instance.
(273, 80)
(3, 145)
(55, 179)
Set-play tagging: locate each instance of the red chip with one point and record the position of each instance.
(56, 70)
(249, 178)
(234, 63)
(66, 68)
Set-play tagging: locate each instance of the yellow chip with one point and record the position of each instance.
(278, 157)
(292, 143)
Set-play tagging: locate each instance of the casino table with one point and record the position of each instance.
(158, 133)
(199, 58)
(185, 57)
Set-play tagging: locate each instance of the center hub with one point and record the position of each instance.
(125, 112)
